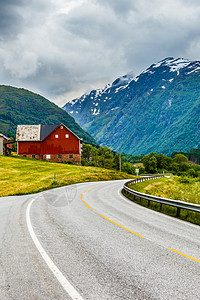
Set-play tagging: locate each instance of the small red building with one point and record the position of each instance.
(50, 142)
(5, 146)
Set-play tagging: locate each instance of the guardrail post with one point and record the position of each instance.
(160, 206)
(178, 212)
(148, 203)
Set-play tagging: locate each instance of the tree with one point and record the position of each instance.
(180, 158)
(183, 167)
(116, 161)
(105, 152)
(174, 167)
(192, 173)
(152, 168)
(128, 168)
(150, 163)
(88, 152)
(163, 161)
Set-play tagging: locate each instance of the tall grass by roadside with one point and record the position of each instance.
(19, 175)
(175, 188)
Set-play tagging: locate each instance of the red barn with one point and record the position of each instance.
(50, 142)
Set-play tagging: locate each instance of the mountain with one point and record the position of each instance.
(158, 110)
(20, 106)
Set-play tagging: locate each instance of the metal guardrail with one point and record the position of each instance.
(161, 175)
(175, 203)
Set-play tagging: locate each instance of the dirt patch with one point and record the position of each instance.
(149, 187)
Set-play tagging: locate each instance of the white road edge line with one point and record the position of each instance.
(57, 273)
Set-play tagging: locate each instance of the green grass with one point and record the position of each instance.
(171, 188)
(20, 176)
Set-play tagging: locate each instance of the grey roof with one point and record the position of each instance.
(45, 130)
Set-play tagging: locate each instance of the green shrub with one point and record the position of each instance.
(185, 179)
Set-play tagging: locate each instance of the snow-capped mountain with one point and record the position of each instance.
(157, 110)
(98, 98)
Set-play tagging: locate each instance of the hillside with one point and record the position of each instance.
(20, 106)
(38, 175)
(159, 110)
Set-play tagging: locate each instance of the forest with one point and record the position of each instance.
(153, 163)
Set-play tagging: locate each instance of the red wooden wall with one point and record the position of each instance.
(29, 148)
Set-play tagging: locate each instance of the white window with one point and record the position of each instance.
(56, 136)
(66, 136)
(61, 127)
(48, 156)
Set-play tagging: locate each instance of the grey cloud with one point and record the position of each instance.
(93, 26)
(120, 7)
(191, 2)
(60, 51)
(10, 18)
(18, 16)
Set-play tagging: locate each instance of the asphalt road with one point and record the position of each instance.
(87, 241)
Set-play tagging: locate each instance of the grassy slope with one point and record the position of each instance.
(25, 176)
(171, 188)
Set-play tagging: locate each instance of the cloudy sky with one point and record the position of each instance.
(63, 48)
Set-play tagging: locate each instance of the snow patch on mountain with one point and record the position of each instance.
(195, 70)
(96, 112)
(170, 102)
(174, 64)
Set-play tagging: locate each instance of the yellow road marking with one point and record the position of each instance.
(190, 257)
(121, 226)
(107, 218)
(87, 205)
(84, 201)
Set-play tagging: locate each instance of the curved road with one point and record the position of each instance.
(87, 241)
